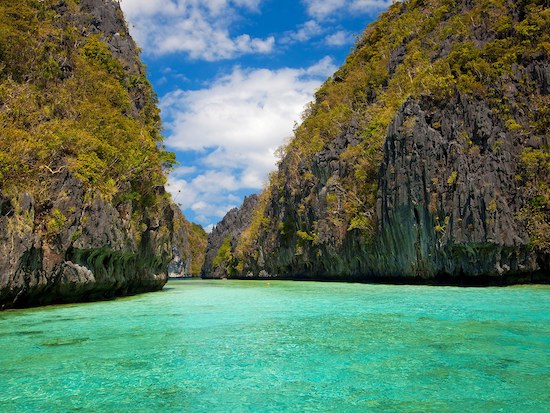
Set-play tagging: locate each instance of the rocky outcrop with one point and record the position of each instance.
(442, 190)
(230, 228)
(446, 212)
(104, 18)
(189, 248)
(446, 206)
(74, 250)
(69, 235)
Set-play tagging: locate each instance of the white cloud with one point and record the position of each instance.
(234, 126)
(199, 28)
(183, 193)
(183, 170)
(243, 112)
(340, 38)
(303, 33)
(208, 195)
(324, 9)
(323, 68)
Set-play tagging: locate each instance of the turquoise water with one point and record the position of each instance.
(240, 346)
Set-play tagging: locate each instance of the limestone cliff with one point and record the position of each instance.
(83, 211)
(225, 237)
(425, 158)
(189, 248)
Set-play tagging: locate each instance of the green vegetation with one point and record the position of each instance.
(304, 236)
(224, 258)
(452, 178)
(68, 104)
(191, 240)
(56, 222)
(536, 179)
(246, 244)
(197, 244)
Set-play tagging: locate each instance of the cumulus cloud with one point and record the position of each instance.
(208, 195)
(340, 38)
(198, 28)
(323, 9)
(233, 127)
(247, 110)
(303, 33)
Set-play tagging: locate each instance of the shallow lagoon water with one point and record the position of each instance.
(281, 346)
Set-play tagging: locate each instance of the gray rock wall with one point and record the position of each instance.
(76, 250)
(448, 205)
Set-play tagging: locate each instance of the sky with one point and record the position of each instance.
(233, 77)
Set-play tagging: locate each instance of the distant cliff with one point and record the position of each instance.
(83, 210)
(189, 248)
(424, 158)
(220, 258)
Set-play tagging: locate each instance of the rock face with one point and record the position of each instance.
(412, 166)
(64, 235)
(189, 248)
(229, 230)
(95, 255)
(452, 212)
(106, 19)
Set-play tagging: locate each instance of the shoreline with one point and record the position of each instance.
(439, 281)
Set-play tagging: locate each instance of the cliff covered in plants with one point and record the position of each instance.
(220, 260)
(189, 250)
(424, 158)
(83, 210)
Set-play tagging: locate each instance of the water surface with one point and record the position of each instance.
(281, 346)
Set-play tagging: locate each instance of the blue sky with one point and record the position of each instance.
(233, 77)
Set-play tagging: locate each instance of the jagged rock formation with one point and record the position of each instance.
(189, 248)
(94, 255)
(83, 211)
(425, 158)
(228, 231)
